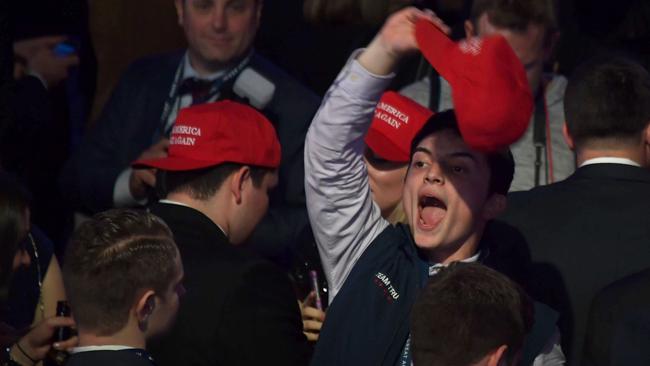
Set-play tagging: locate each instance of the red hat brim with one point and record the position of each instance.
(174, 163)
(385, 148)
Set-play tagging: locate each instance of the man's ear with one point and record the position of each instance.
(238, 182)
(567, 137)
(497, 357)
(494, 206)
(469, 29)
(179, 10)
(144, 307)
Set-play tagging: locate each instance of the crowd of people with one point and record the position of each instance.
(491, 212)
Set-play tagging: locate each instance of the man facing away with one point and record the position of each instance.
(123, 276)
(470, 315)
(238, 309)
(219, 63)
(530, 27)
(374, 269)
(592, 228)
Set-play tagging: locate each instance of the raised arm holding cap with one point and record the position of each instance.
(374, 269)
(395, 40)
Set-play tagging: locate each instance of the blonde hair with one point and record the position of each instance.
(397, 216)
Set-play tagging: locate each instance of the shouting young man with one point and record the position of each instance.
(375, 270)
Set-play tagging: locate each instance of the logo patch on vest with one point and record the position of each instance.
(382, 281)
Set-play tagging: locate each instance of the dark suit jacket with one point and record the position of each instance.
(132, 357)
(238, 310)
(129, 125)
(618, 330)
(583, 233)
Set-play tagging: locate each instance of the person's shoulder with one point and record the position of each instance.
(256, 268)
(259, 280)
(101, 358)
(531, 206)
(555, 87)
(284, 82)
(626, 289)
(154, 65)
(394, 242)
(538, 194)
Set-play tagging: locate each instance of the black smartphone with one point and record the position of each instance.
(62, 333)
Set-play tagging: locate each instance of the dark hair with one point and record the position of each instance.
(110, 259)
(203, 183)
(466, 311)
(500, 163)
(516, 14)
(14, 201)
(607, 99)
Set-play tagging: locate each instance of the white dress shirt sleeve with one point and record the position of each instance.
(343, 216)
(122, 193)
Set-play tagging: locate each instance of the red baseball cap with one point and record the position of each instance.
(490, 91)
(396, 121)
(213, 133)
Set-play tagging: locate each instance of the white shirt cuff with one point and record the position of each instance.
(122, 193)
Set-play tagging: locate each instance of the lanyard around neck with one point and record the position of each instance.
(173, 100)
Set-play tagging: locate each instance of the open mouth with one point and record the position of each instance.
(432, 210)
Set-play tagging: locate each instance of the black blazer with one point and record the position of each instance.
(131, 357)
(131, 121)
(583, 233)
(618, 330)
(238, 310)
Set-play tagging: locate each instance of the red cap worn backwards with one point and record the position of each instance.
(214, 133)
(397, 120)
(492, 99)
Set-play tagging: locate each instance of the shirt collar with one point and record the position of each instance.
(189, 72)
(170, 202)
(435, 268)
(610, 160)
(107, 347)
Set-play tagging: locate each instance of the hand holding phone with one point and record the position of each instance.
(313, 278)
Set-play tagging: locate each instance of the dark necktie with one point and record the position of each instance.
(200, 89)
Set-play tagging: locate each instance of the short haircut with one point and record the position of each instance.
(466, 311)
(608, 99)
(202, 184)
(516, 15)
(500, 163)
(110, 260)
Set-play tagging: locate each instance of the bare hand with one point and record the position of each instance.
(27, 48)
(52, 68)
(396, 39)
(36, 343)
(312, 317)
(143, 179)
(41, 59)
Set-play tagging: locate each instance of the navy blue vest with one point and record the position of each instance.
(368, 321)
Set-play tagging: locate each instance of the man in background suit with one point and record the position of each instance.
(137, 119)
(619, 324)
(593, 228)
(238, 309)
(123, 276)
